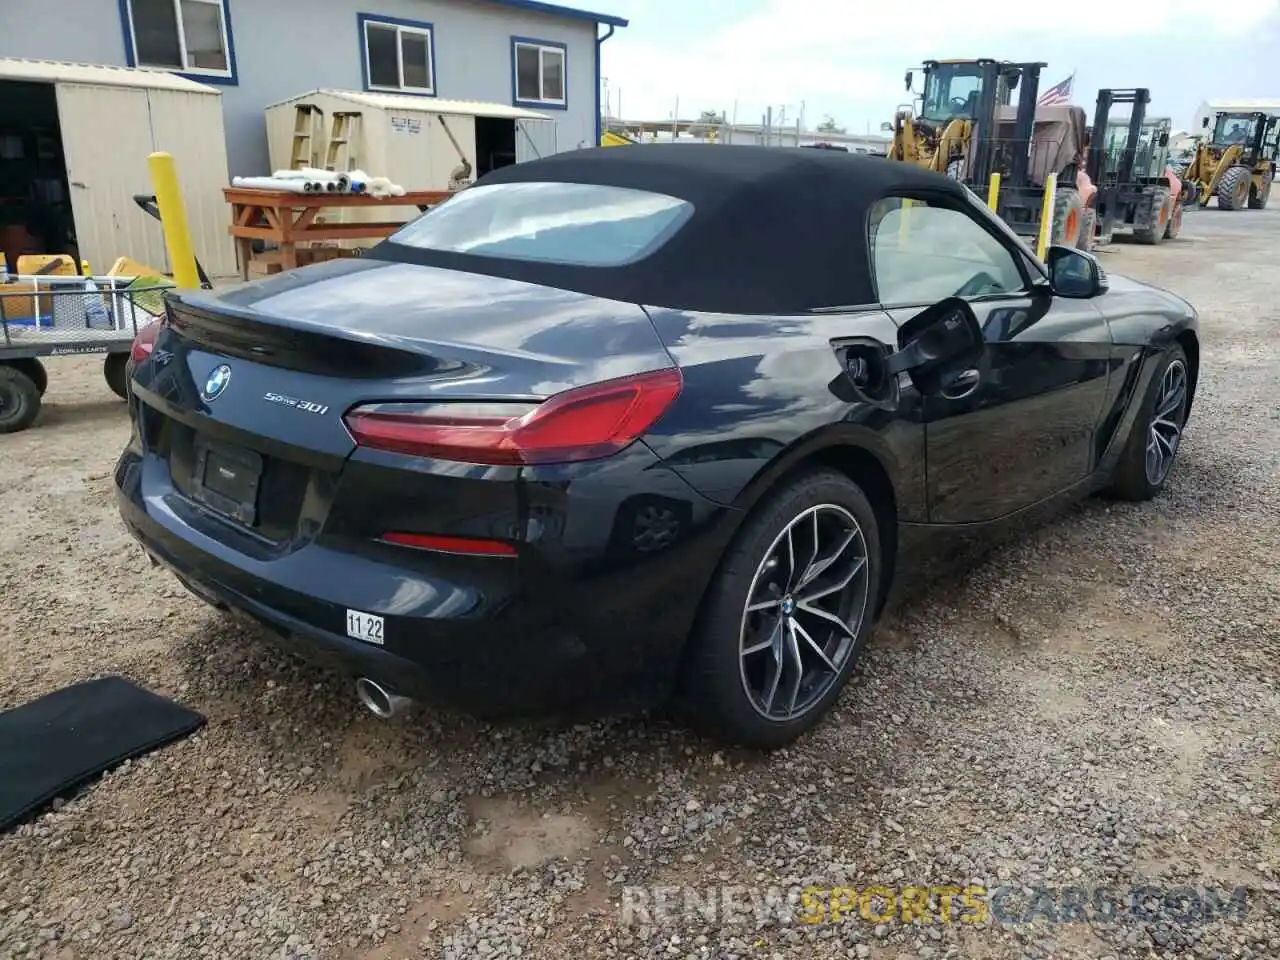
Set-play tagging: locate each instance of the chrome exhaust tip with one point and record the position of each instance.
(379, 701)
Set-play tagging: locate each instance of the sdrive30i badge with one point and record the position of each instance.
(306, 406)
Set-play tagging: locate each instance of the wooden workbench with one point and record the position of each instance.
(288, 219)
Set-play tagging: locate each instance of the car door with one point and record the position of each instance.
(1018, 427)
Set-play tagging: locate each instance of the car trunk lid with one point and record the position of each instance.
(246, 390)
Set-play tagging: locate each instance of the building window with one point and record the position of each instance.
(538, 72)
(399, 55)
(187, 36)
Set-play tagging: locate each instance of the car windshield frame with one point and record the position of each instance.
(545, 220)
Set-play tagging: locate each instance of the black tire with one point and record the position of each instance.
(34, 369)
(1258, 198)
(19, 399)
(1174, 226)
(713, 687)
(1233, 189)
(1088, 230)
(1159, 213)
(1132, 480)
(1068, 217)
(115, 370)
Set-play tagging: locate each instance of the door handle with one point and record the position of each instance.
(962, 384)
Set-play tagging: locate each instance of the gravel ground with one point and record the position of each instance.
(1096, 706)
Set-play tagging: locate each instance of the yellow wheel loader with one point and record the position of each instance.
(938, 136)
(1236, 162)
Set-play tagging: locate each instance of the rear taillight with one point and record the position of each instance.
(585, 423)
(145, 341)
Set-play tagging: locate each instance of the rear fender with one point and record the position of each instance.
(829, 447)
(812, 449)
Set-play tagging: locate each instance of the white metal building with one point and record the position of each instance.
(99, 126)
(1209, 108)
(537, 54)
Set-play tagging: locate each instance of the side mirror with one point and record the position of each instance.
(1075, 274)
(936, 344)
(907, 79)
(1204, 122)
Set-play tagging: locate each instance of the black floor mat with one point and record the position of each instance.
(53, 744)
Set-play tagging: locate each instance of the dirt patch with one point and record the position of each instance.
(512, 836)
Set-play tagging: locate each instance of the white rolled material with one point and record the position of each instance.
(341, 181)
(272, 183)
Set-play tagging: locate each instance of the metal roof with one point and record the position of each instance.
(409, 103)
(573, 13)
(57, 71)
(1243, 104)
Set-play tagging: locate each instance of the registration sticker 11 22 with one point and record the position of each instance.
(364, 626)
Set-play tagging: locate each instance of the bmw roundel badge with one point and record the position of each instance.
(219, 377)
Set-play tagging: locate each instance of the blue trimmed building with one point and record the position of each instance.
(527, 53)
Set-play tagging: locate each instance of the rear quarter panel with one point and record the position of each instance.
(758, 398)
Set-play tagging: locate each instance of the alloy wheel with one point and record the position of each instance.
(1165, 432)
(803, 613)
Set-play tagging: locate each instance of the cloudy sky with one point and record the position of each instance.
(846, 58)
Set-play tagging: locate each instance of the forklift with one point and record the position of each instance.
(1131, 194)
(1237, 164)
(968, 128)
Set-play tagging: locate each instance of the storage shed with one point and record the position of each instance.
(418, 143)
(74, 142)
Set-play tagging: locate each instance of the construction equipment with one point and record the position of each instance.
(968, 128)
(956, 93)
(1237, 162)
(1127, 163)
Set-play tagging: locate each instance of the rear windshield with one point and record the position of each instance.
(570, 223)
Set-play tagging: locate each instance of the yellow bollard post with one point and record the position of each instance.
(1046, 214)
(993, 192)
(904, 222)
(173, 220)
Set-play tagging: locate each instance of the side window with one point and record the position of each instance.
(921, 254)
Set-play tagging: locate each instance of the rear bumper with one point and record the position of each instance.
(488, 636)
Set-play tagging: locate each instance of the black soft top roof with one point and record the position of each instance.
(774, 229)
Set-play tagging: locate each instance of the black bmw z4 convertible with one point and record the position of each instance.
(620, 427)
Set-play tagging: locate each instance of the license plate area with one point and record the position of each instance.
(227, 479)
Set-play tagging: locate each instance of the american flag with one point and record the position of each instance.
(1058, 93)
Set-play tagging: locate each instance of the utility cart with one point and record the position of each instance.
(43, 316)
